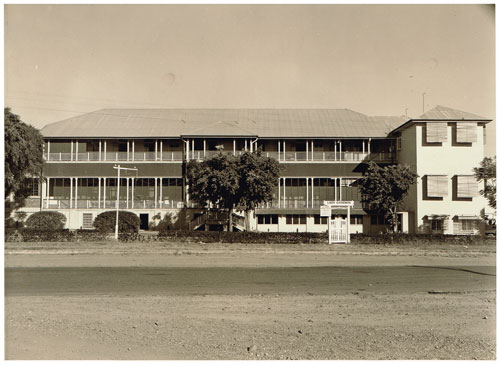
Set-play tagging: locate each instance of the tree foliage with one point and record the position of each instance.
(128, 222)
(228, 182)
(384, 188)
(46, 221)
(487, 172)
(23, 152)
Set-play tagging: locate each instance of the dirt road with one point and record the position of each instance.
(385, 307)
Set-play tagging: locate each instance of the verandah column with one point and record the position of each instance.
(161, 192)
(307, 192)
(48, 193)
(279, 193)
(76, 192)
(104, 190)
(128, 182)
(312, 192)
(284, 192)
(100, 150)
(307, 150)
(99, 192)
(156, 192)
(133, 189)
(234, 147)
(279, 150)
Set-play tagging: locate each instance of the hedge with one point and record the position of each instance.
(62, 235)
(46, 221)
(128, 222)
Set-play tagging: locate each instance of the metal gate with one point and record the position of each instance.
(338, 230)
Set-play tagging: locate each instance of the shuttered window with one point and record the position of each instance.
(436, 132)
(466, 132)
(87, 221)
(467, 186)
(437, 186)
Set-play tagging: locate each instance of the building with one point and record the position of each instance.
(324, 151)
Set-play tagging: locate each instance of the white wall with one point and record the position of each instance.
(449, 160)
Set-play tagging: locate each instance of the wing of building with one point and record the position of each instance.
(324, 151)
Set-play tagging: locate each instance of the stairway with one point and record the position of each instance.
(209, 218)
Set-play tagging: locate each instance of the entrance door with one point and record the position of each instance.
(339, 230)
(144, 221)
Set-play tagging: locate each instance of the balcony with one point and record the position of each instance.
(113, 156)
(299, 204)
(111, 204)
(300, 156)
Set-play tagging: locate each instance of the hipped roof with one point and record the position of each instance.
(264, 123)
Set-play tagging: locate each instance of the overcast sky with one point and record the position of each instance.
(65, 60)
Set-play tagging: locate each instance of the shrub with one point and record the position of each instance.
(128, 222)
(46, 221)
(39, 235)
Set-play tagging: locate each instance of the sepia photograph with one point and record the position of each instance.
(249, 182)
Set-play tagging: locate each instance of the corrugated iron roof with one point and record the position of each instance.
(265, 123)
(444, 113)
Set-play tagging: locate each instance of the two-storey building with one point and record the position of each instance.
(323, 151)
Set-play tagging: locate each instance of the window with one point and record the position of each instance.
(32, 186)
(467, 186)
(467, 225)
(356, 219)
(320, 220)
(398, 143)
(436, 132)
(267, 219)
(436, 225)
(295, 219)
(377, 220)
(437, 186)
(466, 133)
(87, 221)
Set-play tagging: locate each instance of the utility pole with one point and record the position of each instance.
(117, 167)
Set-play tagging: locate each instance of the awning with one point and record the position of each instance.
(467, 217)
(435, 217)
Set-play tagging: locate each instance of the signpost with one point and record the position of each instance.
(118, 167)
(326, 211)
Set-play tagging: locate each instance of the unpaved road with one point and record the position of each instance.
(174, 307)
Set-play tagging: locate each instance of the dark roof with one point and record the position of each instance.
(265, 123)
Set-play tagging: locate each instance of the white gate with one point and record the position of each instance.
(338, 230)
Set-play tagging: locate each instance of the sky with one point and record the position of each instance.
(66, 60)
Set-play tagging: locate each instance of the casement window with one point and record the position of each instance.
(437, 186)
(88, 219)
(467, 186)
(378, 220)
(356, 219)
(320, 220)
(32, 186)
(295, 219)
(436, 132)
(267, 219)
(398, 144)
(466, 132)
(436, 225)
(465, 225)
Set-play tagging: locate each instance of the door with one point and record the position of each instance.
(144, 221)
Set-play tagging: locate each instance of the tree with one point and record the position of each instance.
(259, 176)
(230, 182)
(486, 172)
(215, 181)
(384, 189)
(23, 153)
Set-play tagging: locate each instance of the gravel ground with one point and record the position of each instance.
(456, 325)
(353, 326)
